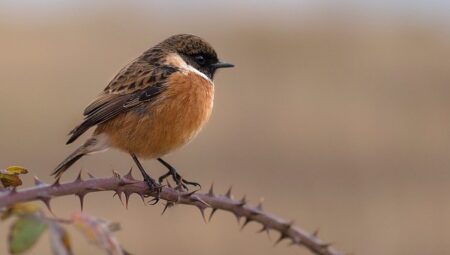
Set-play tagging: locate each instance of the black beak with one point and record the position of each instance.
(221, 64)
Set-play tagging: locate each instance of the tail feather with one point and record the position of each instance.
(69, 161)
(76, 132)
(94, 144)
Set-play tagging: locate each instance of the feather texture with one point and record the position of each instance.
(139, 82)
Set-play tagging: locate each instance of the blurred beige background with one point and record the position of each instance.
(336, 114)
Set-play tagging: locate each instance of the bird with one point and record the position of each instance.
(153, 106)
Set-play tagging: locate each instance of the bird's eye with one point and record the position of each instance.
(200, 59)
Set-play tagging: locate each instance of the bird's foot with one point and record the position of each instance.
(154, 189)
(181, 182)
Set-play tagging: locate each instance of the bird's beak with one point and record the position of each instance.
(221, 64)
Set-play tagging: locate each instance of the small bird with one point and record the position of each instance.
(154, 105)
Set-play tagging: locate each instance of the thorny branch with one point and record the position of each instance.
(127, 185)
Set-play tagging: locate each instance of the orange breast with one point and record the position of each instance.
(170, 122)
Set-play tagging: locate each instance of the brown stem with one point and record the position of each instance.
(127, 185)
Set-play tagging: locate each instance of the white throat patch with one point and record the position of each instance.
(195, 70)
(176, 60)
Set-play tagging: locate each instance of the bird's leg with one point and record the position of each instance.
(151, 183)
(175, 176)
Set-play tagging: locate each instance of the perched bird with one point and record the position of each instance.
(154, 105)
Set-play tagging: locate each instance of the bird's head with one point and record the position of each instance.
(196, 52)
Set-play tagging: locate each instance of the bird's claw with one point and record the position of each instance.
(182, 184)
(154, 188)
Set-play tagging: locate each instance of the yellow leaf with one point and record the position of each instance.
(10, 180)
(9, 176)
(16, 170)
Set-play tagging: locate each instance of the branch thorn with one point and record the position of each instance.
(167, 206)
(37, 181)
(259, 206)
(56, 183)
(266, 229)
(247, 220)
(129, 175)
(211, 190)
(202, 211)
(243, 201)
(79, 179)
(188, 194)
(282, 236)
(127, 197)
(81, 197)
(228, 194)
(315, 233)
(214, 210)
(142, 197)
(288, 225)
(118, 193)
(201, 201)
(46, 201)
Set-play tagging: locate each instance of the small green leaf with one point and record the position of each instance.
(24, 233)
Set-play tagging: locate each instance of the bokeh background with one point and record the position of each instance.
(337, 113)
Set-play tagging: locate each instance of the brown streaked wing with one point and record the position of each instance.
(134, 76)
(132, 84)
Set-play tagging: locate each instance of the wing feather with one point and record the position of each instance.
(135, 84)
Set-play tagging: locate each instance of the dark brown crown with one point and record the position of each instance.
(188, 44)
